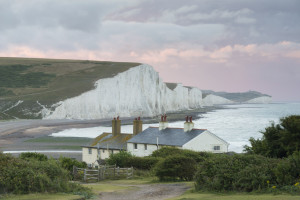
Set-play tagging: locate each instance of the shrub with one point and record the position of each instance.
(237, 172)
(125, 159)
(119, 159)
(145, 163)
(175, 167)
(24, 176)
(278, 140)
(68, 163)
(172, 151)
(287, 171)
(35, 156)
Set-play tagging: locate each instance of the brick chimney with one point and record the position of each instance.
(137, 126)
(188, 124)
(116, 126)
(163, 124)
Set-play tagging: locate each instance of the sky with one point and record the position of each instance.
(222, 45)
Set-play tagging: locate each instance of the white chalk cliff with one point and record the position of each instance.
(138, 91)
(211, 100)
(263, 99)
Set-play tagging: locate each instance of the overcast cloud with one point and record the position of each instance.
(225, 45)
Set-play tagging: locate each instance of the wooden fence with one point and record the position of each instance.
(103, 172)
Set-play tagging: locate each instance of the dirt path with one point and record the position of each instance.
(147, 192)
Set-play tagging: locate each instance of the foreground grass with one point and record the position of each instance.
(42, 196)
(190, 195)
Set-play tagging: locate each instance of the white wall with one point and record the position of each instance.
(206, 142)
(90, 159)
(140, 151)
(95, 155)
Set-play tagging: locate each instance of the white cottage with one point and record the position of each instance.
(109, 143)
(154, 138)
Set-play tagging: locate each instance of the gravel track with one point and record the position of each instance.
(147, 192)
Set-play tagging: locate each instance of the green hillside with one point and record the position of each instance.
(48, 81)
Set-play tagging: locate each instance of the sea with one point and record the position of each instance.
(235, 123)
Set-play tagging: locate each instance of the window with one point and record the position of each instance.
(216, 148)
(103, 150)
(135, 145)
(145, 145)
(90, 150)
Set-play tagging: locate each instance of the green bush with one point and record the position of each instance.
(175, 167)
(145, 163)
(68, 163)
(278, 140)
(172, 151)
(35, 156)
(125, 159)
(21, 176)
(287, 171)
(237, 172)
(119, 159)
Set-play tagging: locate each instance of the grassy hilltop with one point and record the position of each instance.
(48, 81)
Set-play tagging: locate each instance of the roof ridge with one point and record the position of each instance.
(180, 128)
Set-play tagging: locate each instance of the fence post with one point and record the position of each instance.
(98, 173)
(131, 172)
(114, 171)
(74, 172)
(84, 177)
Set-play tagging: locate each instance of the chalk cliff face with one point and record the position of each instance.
(211, 100)
(136, 92)
(264, 99)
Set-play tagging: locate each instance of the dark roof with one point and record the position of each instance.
(168, 136)
(107, 140)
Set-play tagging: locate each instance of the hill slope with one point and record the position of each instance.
(27, 85)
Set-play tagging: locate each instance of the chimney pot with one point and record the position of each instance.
(188, 125)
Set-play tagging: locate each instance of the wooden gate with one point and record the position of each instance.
(103, 172)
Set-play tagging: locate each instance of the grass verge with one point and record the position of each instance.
(39, 196)
(191, 195)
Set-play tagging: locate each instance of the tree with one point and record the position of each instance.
(279, 140)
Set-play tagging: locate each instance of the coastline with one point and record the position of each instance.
(23, 135)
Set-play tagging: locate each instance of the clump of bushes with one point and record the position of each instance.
(125, 159)
(173, 151)
(119, 159)
(22, 176)
(246, 173)
(175, 167)
(33, 155)
(68, 163)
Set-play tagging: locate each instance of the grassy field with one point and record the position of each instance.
(48, 81)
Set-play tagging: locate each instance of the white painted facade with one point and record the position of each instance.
(206, 141)
(140, 150)
(91, 155)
